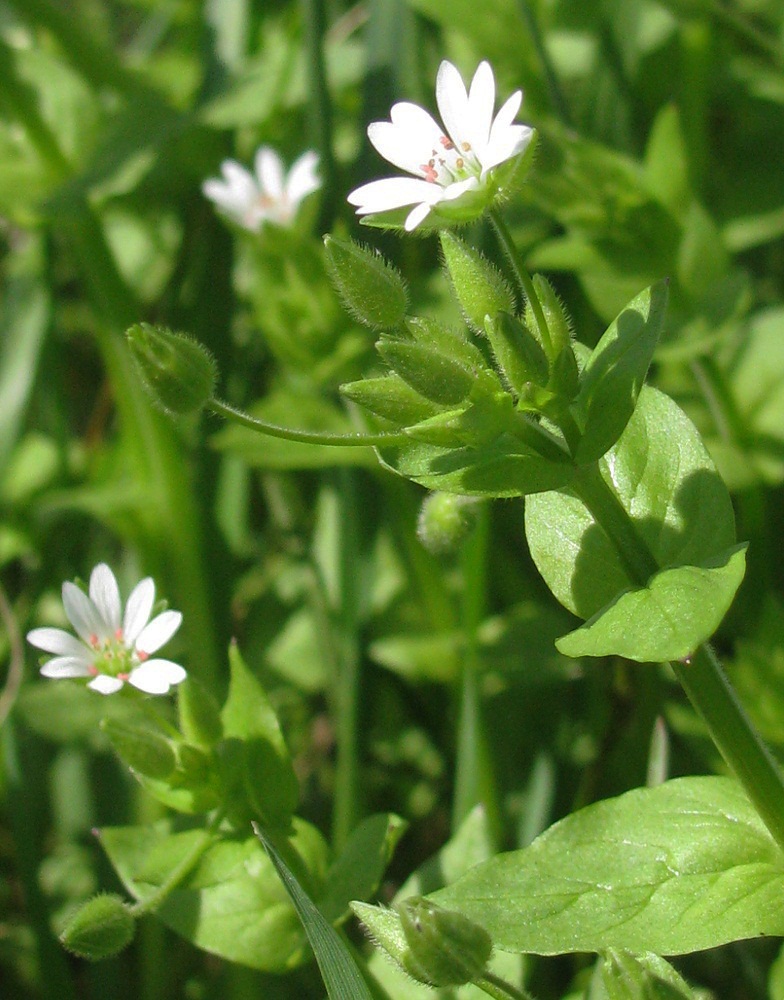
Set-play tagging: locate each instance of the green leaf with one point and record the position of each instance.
(667, 482)
(338, 969)
(615, 372)
(262, 759)
(667, 619)
(371, 288)
(232, 903)
(502, 468)
(642, 977)
(681, 867)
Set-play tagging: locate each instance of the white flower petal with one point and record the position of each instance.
(138, 610)
(481, 101)
(158, 632)
(225, 197)
(393, 192)
(157, 676)
(240, 181)
(416, 216)
(83, 614)
(56, 640)
(104, 684)
(507, 114)
(66, 666)
(452, 101)
(457, 190)
(410, 140)
(269, 171)
(303, 179)
(509, 144)
(105, 595)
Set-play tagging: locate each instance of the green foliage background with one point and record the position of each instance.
(661, 143)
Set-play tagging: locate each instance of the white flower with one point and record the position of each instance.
(269, 195)
(112, 647)
(455, 171)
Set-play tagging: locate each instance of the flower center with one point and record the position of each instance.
(450, 163)
(112, 657)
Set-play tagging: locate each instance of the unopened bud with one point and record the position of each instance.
(444, 947)
(391, 398)
(518, 354)
(435, 376)
(479, 287)
(556, 317)
(178, 372)
(371, 289)
(101, 928)
(445, 520)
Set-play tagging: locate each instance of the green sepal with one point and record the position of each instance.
(565, 375)
(444, 948)
(559, 324)
(433, 375)
(103, 927)
(518, 354)
(371, 289)
(479, 287)
(392, 398)
(177, 371)
(615, 372)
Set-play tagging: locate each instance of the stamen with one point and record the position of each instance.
(460, 162)
(446, 142)
(466, 147)
(430, 172)
(94, 641)
(141, 655)
(118, 635)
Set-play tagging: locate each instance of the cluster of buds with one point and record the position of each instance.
(444, 389)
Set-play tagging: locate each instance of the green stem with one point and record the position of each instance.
(474, 777)
(320, 105)
(523, 277)
(711, 694)
(306, 437)
(701, 675)
(496, 987)
(180, 871)
(346, 806)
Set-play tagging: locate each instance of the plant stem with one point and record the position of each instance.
(498, 988)
(346, 807)
(701, 676)
(306, 437)
(523, 277)
(180, 871)
(474, 778)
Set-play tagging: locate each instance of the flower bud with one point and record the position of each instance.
(433, 375)
(141, 747)
(100, 929)
(444, 947)
(391, 398)
(177, 371)
(479, 287)
(445, 521)
(556, 317)
(518, 354)
(371, 289)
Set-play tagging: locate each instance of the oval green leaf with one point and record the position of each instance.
(666, 620)
(665, 479)
(678, 868)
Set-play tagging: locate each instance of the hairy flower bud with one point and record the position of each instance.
(178, 372)
(100, 929)
(371, 289)
(479, 287)
(519, 356)
(445, 520)
(444, 947)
